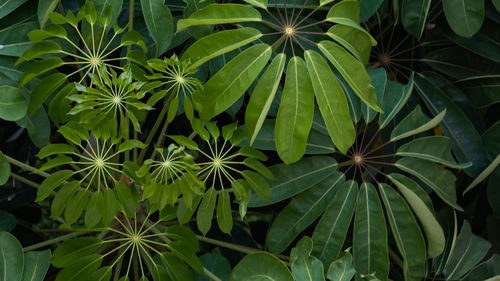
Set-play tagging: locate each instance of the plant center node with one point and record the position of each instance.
(99, 163)
(180, 79)
(384, 59)
(217, 163)
(166, 163)
(117, 100)
(358, 159)
(136, 238)
(95, 61)
(289, 30)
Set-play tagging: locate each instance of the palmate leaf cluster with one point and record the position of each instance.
(250, 139)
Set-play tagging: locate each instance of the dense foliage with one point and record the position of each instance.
(249, 140)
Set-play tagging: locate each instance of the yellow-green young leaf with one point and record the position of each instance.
(37, 68)
(395, 97)
(224, 216)
(258, 183)
(331, 101)
(405, 230)
(62, 198)
(433, 231)
(56, 148)
(129, 145)
(76, 206)
(415, 123)
(331, 230)
(414, 14)
(295, 114)
(261, 266)
(13, 105)
(347, 13)
(435, 148)
(370, 250)
(219, 43)
(353, 72)
(259, 167)
(187, 142)
(231, 82)
(51, 183)
(263, 96)
(436, 177)
(4, 169)
(355, 41)
(302, 211)
(220, 14)
(206, 210)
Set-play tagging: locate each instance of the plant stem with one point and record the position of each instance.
(235, 247)
(23, 180)
(53, 241)
(25, 166)
(210, 274)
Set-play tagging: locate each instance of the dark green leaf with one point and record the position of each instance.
(261, 266)
(13, 105)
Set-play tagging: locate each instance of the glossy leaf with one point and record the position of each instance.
(433, 231)
(436, 177)
(331, 230)
(262, 96)
(51, 183)
(379, 82)
(13, 105)
(85, 266)
(206, 210)
(4, 169)
(43, 90)
(74, 249)
(261, 266)
(395, 97)
(353, 72)
(231, 82)
(295, 114)
(36, 265)
(355, 41)
(405, 230)
(415, 123)
(258, 183)
(290, 180)
(224, 215)
(159, 22)
(465, 17)
(45, 7)
(302, 211)
(37, 68)
(305, 266)
(219, 43)
(331, 101)
(11, 257)
(370, 250)
(414, 15)
(220, 14)
(484, 174)
(341, 269)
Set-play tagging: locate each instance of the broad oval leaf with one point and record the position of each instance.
(331, 101)
(261, 266)
(295, 114)
(302, 211)
(414, 14)
(405, 230)
(341, 269)
(465, 17)
(13, 105)
(36, 265)
(231, 82)
(11, 257)
(220, 14)
(263, 96)
(370, 250)
(305, 266)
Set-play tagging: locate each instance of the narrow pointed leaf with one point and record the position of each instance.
(414, 15)
(395, 97)
(51, 183)
(484, 174)
(159, 22)
(224, 216)
(415, 123)
(220, 14)
(206, 211)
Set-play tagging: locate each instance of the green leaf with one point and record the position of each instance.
(159, 22)
(38, 126)
(331, 230)
(45, 7)
(436, 177)
(465, 17)
(465, 140)
(43, 90)
(215, 263)
(93, 213)
(434, 148)
(14, 39)
(341, 269)
(13, 105)
(259, 3)
(52, 182)
(11, 257)
(405, 230)
(262, 96)
(62, 198)
(395, 97)
(370, 235)
(368, 8)
(9, 5)
(258, 183)
(187, 142)
(220, 14)
(224, 216)
(485, 270)
(130, 144)
(76, 206)
(414, 14)
(56, 162)
(53, 149)
(110, 206)
(304, 266)
(231, 82)
(37, 68)
(4, 169)
(353, 72)
(467, 251)
(482, 90)
(379, 82)
(7, 221)
(261, 266)
(331, 100)
(302, 211)
(355, 41)
(219, 43)
(415, 123)
(184, 252)
(85, 266)
(290, 180)
(36, 265)
(295, 114)
(484, 174)
(259, 167)
(206, 210)
(75, 249)
(128, 198)
(251, 152)
(433, 231)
